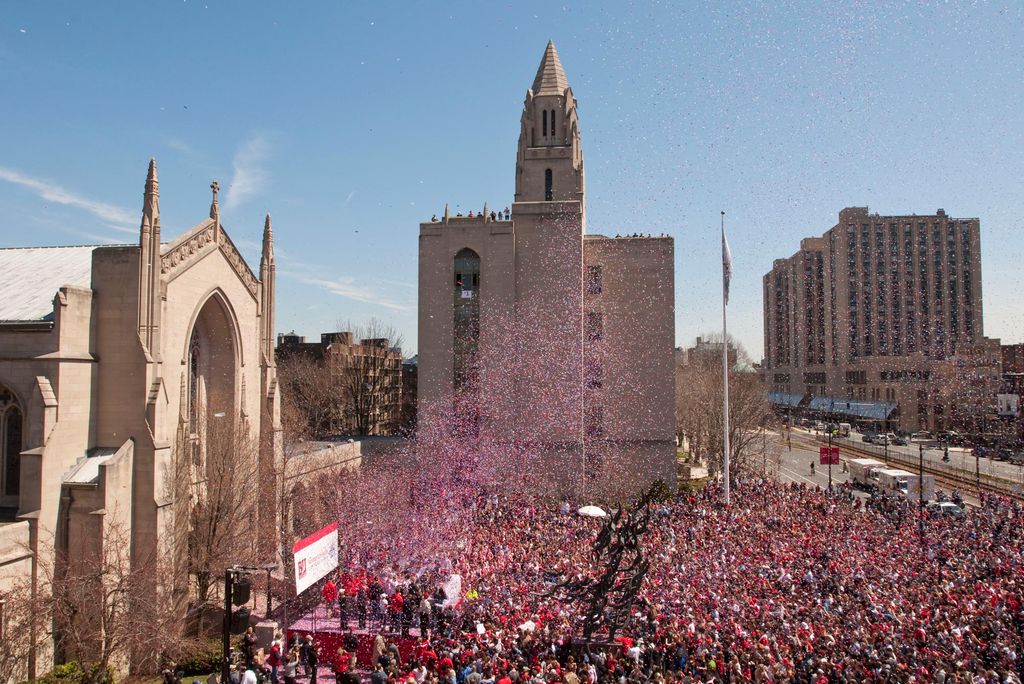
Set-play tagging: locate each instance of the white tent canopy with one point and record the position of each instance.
(592, 512)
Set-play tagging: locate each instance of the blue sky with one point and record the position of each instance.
(353, 123)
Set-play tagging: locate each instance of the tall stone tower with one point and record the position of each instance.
(549, 159)
(548, 216)
(514, 311)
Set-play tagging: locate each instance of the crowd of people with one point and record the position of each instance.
(789, 584)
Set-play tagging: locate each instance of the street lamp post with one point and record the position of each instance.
(764, 453)
(269, 567)
(225, 666)
(920, 491)
(830, 462)
(977, 473)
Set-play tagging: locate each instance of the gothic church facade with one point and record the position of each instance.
(114, 363)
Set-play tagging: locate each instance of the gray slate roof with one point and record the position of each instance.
(31, 276)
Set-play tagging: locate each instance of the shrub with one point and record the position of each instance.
(73, 673)
(201, 657)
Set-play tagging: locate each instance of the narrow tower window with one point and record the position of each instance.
(12, 451)
(547, 185)
(553, 134)
(10, 446)
(466, 327)
(545, 118)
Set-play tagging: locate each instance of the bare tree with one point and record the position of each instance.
(24, 629)
(699, 410)
(106, 611)
(369, 374)
(311, 404)
(222, 493)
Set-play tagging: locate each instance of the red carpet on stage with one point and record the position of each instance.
(329, 637)
(330, 642)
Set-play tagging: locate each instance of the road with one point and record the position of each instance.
(959, 459)
(795, 464)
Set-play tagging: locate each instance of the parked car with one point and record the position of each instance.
(868, 437)
(945, 508)
(900, 440)
(920, 437)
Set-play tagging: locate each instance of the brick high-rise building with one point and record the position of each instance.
(535, 334)
(880, 318)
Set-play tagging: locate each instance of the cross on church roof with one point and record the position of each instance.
(214, 207)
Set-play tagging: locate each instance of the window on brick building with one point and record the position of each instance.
(594, 280)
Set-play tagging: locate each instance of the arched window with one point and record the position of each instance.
(11, 423)
(548, 190)
(194, 380)
(466, 327)
(545, 118)
(553, 129)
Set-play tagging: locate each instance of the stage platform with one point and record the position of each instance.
(329, 634)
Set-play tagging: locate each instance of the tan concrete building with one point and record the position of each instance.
(533, 332)
(113, 360)
(367, 376)
(877, 315)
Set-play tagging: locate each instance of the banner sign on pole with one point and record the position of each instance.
(453, 591)
(315, 556)
(825, 457)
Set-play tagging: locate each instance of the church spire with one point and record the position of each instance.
(151, 197)
(550, 79)
(149, 265)
(268, 243)
(549, 159)
(268, 291)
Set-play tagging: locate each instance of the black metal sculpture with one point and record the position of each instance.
(608, 597)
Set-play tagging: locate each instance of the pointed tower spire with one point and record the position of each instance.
(549, 159)
(268, 291)
(214, 205)
(268, 239)
(149, 265)
(550, 79)
(151, 198)
(446, 212)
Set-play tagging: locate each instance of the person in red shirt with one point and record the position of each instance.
(396, 603)
(341, 664)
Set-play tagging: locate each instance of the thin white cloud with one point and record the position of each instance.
(179, 145)
(115, 217)
(250, 175)
(346, 287)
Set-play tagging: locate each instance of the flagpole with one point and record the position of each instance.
(725, 373)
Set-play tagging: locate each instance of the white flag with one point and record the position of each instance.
(726, 263)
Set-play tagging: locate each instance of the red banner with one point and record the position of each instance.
(825, 457)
